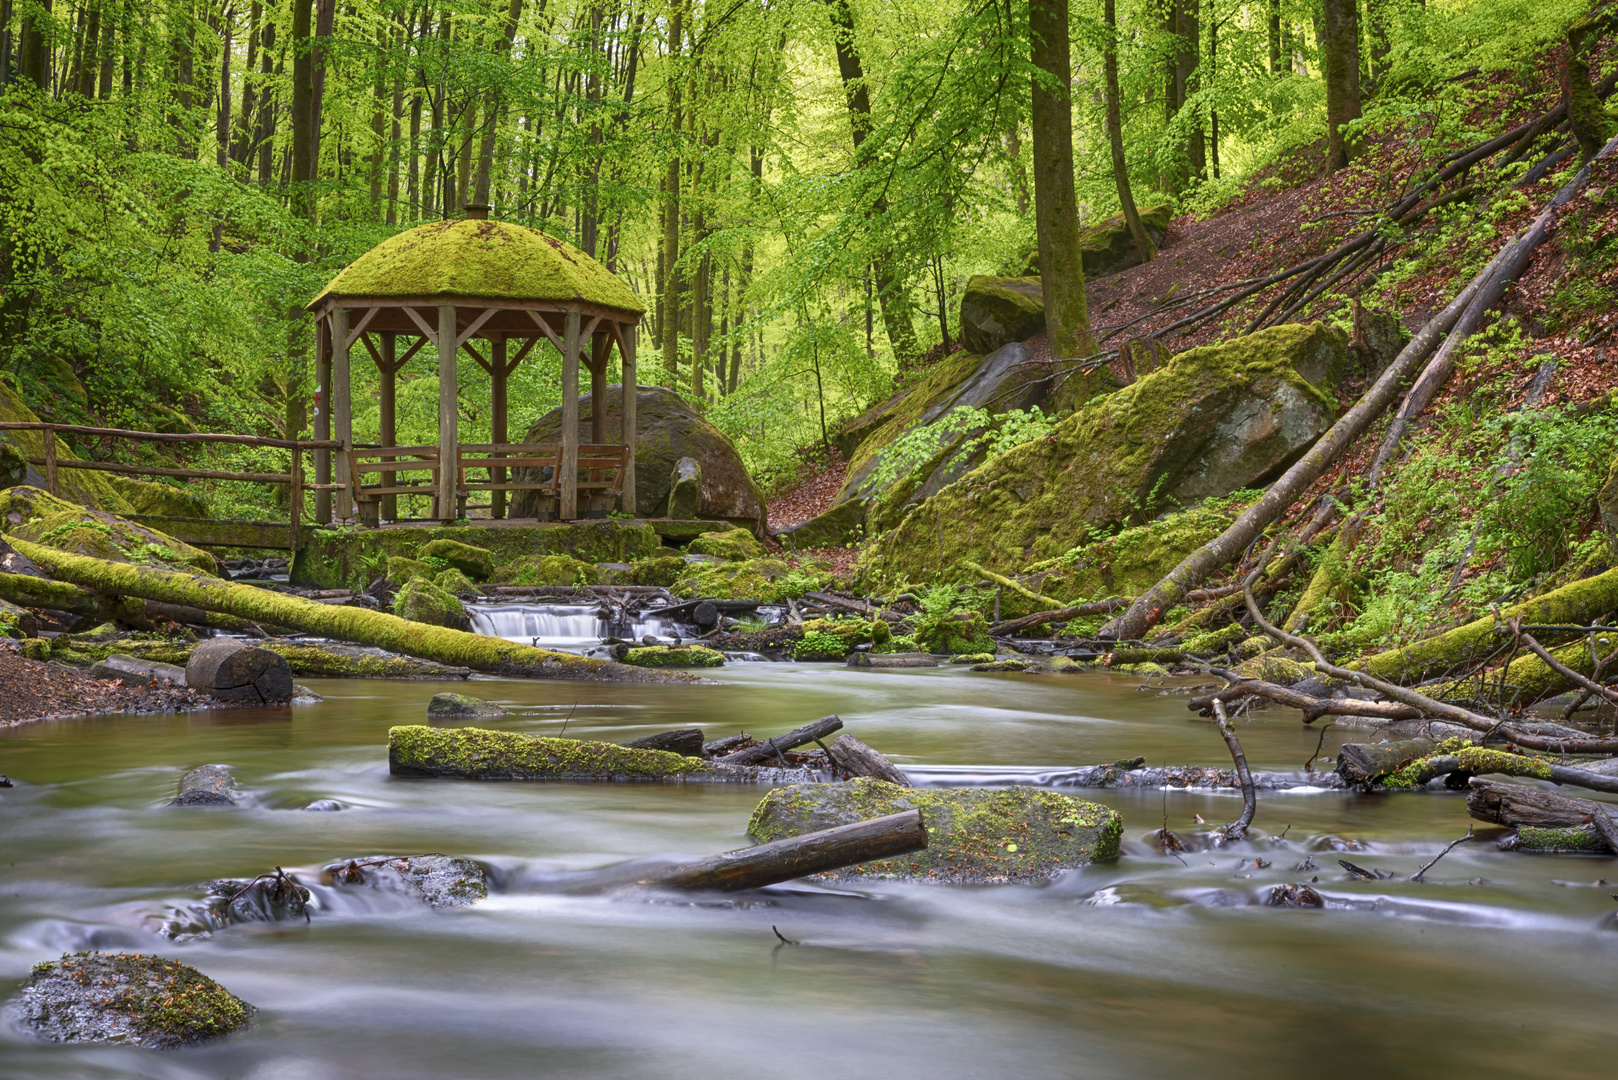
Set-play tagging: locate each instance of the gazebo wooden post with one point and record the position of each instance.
(569, 465)
(600, 351)
(342, 413)
(322, 419)
(497, 418)
(448, 415)
(626, 413)
(388, 394)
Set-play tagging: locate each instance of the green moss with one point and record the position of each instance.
(480, 754)
(756, 579)
(160, 500)
(1116, 461)
(848, 632)
(97, 489)
(737, 545)
(973, 658)
(488, 259)
(168, 1004)
(662, 570)
(475, 562)
(1275, 668)
(815, 645)
(1145, 668)
(1006, 834)
(675, 656)
(959, 632)
(402, 570)
(1476, 760)
(1576, 838)
(422, 601)
(453, 581)
(1214, 641)
(1257, 645)
(28, 513)
(553, 570)
(898, 414)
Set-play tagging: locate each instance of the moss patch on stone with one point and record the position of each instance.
(552, 570)
(422, 601)
(493, 260)
(756, 579)
(476, 563)
(402, 570)
(675, 656)
(453, 581)
(736, 545)
(127, 998)
(27, 513)
(480, 754)
(973, 834)
(1553, 840)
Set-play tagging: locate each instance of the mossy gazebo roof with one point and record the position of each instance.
(479, 259)
(448, 283)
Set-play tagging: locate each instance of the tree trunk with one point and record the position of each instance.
(493, 106)
(1067, 320)
(303, 98)
(800, 856)
(1275, 37)
(1187, 59)
(1115, 136)
(857, 759)
(1340, 66)
(669, 311)
(763, 752)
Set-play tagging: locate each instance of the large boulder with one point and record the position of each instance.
(129, 1000)
(29, 513)
(996, 311)
(666, 430)
(422, 601)
(1108, 248)
(1211, 421)
(973, 834)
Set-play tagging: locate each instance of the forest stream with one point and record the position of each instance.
(1150, 964)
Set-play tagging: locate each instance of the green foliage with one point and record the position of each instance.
(819, 646)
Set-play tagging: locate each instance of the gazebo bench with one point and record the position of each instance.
(602, 463)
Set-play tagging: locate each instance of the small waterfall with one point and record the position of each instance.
(576, 628)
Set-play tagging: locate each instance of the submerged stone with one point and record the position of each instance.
(439, 881)
(449, 704)
(674, 656)
(974, 835)
(130, 998)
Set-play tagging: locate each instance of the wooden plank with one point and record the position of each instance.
(51, 485)
(162, 436)
(295, 500)
(342, 412)
(448, 410)
(208, 532)
(626, 354)
(156, 470)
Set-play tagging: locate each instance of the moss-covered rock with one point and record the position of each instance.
(756, 579)
(83, 486)
(478, 754)
(675, 656)
(559, 570)
(451, 704)
(402, 570)
(340, 558)
(815, 645)
(996, 311)
(1002, 665)
(667, 429)
(959, 632)
(737, 545)
(1556, 840)
(1275, 668)
(973, 834)
(27, 513)
(973, 658)
(476, 563)
(1108, 248)
(129, 999)
(161, 500)
(662, 570)
(841, 525)
(1209, 422)
(453, 581)
(849, 632)
(422, 601)
(1214, 641)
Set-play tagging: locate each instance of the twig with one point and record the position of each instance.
(1450, 847)
(1309, 766)
(784, 939)
(1237, 830)
(566, 718)
(1557, 666)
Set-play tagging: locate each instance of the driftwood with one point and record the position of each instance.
(1237, 829)
(1313, 707)
(684, 741)
(764, 751)
(1364, 763)
(799, 856)
(857, 759)
(891, 660)
(1516, 805)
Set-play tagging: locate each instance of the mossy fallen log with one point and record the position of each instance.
(456, 648)
(1572, 604)
(479, 754)
(1477, 760)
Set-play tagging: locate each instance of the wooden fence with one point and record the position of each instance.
(294, 479)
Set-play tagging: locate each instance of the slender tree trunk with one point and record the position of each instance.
(670, 313)
(1067, 320)
(492, 107)
(1019, 173)
(222, 119)
(269, 105)
(379, 117)
(303, 110)
(891, 292)
(1115, 135)
(1275, 37)
(1187, 79)
(326, 11)
(1340, 66)
(90, 62)
(242, 147)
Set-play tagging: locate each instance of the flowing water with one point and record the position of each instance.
(576, 628)
(1147, 966)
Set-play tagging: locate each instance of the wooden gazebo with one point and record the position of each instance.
(457, 284)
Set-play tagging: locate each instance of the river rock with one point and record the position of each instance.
(16, 621)
(997, 311)
(462, 705)
(667, 429)
(439, 881)
(206, 785)
(422, 601)
(975, 835)
(479, 754)
(237, 672)
(131, 999)
(685, 489)
(1211, 421)
(732, 545)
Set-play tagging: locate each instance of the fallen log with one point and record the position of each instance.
(1476, 760)
(1518, 805)
(1143, 655)
(1040, 618)
(456, 648)
(233, 671)
(1010, 583)
(1366, 763)
(773, 747)
(477, 754)
(800, 856)
(857, 759)
(892, 660)
(1313, 707)
(856, 606)
(686, 742)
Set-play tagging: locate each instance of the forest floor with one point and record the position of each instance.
(31, 690)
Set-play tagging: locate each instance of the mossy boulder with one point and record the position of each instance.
(841, 525)
(130, 999)
(816, 645)
(662, 570)
(736, 545)
(1275, 668)
(419, 600)
(453, 581)
(675, 656)
(959, 632)
(850, 632)
(1209, 422)
(452, 704)
(478, 754)
(28, 513)
(161, 500)
(997, 311)
(560, 570)
(973, 834)
(475, 562)
(1108, 248)
(402, 569)
(667, 429)
(756, 579)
